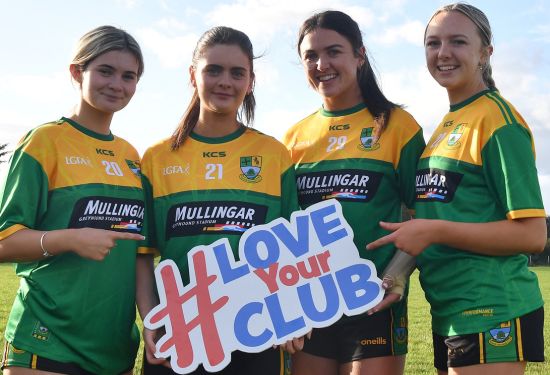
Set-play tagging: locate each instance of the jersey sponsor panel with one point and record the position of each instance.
(354, 185)
(436, 185)
(213, 217)
(118, 214)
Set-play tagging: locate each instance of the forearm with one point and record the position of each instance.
(505, 237)
(146, 297)
(397, 272)
(25, 245)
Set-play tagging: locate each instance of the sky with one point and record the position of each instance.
(38, 37)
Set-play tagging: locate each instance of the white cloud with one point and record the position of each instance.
(173, 23)
(411, 32)
(542, 32)
(173, 52)
(52, 93)
(265, 18)
(130, 4)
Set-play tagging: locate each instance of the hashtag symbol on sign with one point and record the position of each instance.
(181, 328)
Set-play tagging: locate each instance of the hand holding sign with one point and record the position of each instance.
(291, 277)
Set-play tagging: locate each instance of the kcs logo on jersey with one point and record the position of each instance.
(251, 167)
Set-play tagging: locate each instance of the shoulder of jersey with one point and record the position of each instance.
(159, 147)
(497, 111)
(43, 133)
(271, 140)
(299, 124)
(403, 118)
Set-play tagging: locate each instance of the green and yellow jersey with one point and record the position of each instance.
(337, 156)
(479, 166)
(211, 188)
(68, 308)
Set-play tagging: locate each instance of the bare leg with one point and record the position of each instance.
(307, 364)
(389, 365)
(508, 368)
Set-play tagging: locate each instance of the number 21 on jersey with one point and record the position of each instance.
(213, 171)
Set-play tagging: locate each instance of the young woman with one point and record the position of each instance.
(70, 216)
(212, 162)
(361, 149)
(479, 210)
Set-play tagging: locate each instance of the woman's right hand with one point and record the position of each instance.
(93, 243)
(149, 340)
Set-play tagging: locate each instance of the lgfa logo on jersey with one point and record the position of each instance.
(456, 134)
(501, 336)
(251, 167)
(367, 139)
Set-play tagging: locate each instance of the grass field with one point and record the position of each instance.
(419, 359)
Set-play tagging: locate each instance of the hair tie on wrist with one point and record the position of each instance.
(45, 252)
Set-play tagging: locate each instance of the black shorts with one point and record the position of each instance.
(350, 339)
(520, 339)
(14, 357)
(268, 362)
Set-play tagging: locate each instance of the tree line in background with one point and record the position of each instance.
(3, 153)
(544, 257)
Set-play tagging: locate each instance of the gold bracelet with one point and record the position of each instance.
(45, 252)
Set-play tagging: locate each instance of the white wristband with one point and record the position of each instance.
(45, 252)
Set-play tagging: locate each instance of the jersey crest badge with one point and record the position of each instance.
(134, 167)
(40, 332)
(455, 136)
(251, 167)
(501, 336)
(367, 140)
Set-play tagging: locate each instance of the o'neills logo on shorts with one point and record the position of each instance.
(436, 185)
(211, 217)
(121, 215)
(352, 185)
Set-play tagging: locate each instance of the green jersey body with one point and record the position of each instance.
(478, 167)
(68, 308)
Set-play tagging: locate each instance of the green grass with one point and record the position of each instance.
(419, 359)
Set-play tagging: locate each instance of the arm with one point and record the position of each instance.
(28, 245)
(146, 299)
(497, 238)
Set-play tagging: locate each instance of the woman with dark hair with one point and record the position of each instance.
(361, 149)
(213, 162)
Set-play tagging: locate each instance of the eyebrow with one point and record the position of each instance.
(113, 68)
(217, 66)
(450, 36)
(336, 45)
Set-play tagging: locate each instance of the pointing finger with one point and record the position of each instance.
(390, 226)
(127, 236)
(380, 242)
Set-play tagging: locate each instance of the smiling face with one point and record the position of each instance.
(331, 65)
(222, 77)
(108, 82)
(454, 55)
